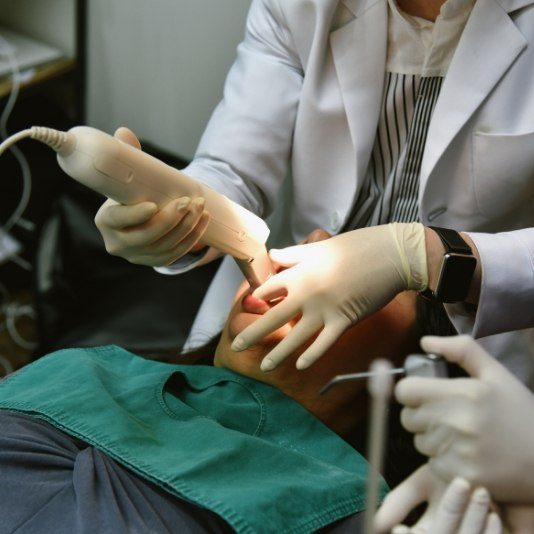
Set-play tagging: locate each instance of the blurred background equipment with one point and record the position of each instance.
(158, 70)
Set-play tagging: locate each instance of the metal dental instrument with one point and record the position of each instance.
(428, 365)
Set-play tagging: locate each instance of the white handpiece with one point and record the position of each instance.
(129, 176)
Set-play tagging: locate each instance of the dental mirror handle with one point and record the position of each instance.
(380, 385)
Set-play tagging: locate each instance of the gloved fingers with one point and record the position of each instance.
(452, 516)
(188, 243)
(127, 136)
(414, 391)
(145, 237)
(450, 510)
(272, 294)
(494, 524)
(271, 289)
(403, 499)
(328, 336)
(289, 256)
(462, 350)
(169, 256)
(432, 442)
(415, 420)
(276, 317)
(425, 524)
(185, 218)
(446, 464)
(115, 216)
(476, 515)
(276, 286)
(297, 336)
(319, 234)
(428, 416)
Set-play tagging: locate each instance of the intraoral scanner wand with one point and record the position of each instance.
(129, 176)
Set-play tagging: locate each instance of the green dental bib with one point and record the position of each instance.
(233, 445)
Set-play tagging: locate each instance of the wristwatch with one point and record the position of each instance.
(457, 268)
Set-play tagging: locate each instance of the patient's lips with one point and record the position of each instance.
(254, 305)
(247, 312)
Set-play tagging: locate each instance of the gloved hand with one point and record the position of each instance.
(336, 283)
(142, 234)
(452, 509)
(480, 428)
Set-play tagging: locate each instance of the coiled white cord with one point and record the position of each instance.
(48, 136)
(55, 139)
(58, 141)
(6, 365)
(12, 312)
(16, 216)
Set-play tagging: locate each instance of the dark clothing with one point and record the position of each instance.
(54, 483)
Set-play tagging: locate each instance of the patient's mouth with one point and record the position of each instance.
(254, 305)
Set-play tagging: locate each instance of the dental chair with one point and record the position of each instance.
(86, 297)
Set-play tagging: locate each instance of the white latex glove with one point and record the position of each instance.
(452, 509)
(142, 234)
(336, 283)
(480, 428)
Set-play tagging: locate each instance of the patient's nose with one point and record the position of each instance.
(252, 304)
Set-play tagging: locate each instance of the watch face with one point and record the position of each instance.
(455, 277)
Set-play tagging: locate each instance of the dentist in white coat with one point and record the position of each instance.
(381, 111)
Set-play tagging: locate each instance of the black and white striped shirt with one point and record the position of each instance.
(419, 53)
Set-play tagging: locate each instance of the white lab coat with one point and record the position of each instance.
(304, 96)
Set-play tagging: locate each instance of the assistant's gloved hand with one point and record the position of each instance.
(145, 235)
(452, 509)
(335, 283)
(479, 428)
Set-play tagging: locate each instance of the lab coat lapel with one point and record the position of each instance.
(514, 5)
(488, 47)
(359, 52)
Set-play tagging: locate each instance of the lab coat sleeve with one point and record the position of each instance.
(245, 150)
(190, 261)
(507, 291)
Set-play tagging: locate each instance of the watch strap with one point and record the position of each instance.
(452, 240)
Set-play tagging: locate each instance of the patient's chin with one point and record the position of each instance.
(240, 321)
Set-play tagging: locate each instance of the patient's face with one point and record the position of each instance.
(389, 333)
